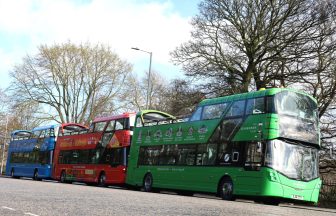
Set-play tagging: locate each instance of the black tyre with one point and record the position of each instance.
(35, 176)
(102, 180)
(148, 183)
(63, 177)
(225, 189)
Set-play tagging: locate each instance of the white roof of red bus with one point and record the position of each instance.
(114, 117)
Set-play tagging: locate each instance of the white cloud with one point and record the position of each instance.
(121, 24)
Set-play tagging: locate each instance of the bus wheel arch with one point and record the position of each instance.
(147, 184)
(225, 188)
(102, 179)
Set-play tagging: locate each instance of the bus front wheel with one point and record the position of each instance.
(148, 183)
(225, 189)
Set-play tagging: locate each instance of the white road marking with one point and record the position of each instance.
(31, 214)
(5, 207)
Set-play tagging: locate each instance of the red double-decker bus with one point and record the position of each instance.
(97, 155)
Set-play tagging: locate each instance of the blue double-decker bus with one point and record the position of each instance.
(30, 153)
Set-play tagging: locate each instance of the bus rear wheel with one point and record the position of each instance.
(63, 177)
(225, 189)
(12, 174)
(102, 180)
(148, 183)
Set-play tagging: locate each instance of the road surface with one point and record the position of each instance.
(38, 198)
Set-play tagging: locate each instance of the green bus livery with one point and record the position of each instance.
(262, 145)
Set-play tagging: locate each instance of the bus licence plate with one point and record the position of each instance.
(298, 197)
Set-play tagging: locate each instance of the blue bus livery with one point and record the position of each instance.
(30, 153)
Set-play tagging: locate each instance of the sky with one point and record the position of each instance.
(156, 26)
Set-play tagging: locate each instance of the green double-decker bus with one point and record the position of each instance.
(262, 145)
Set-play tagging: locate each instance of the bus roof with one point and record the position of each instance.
(46, 127)
(114, 117)
(248, 95)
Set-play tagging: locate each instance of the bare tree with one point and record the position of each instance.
(238, 45)
(182, 98)
(23, 115)
(138, 92)
(73, 83)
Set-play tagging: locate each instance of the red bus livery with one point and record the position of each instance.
(95, 155)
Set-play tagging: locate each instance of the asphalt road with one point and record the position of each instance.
(28, 197)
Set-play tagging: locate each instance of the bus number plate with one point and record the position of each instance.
(298, 197)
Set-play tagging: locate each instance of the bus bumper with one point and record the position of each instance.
(278, 185)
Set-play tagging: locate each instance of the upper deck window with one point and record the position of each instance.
(110, 126)
(36, 134)
(213, 111)
(255, 106)
(119, 124)
(236, 109)
(99, 126)
(197, 114)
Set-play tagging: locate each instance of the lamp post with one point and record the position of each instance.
(149, 72)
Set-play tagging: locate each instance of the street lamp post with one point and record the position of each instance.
(149, 73)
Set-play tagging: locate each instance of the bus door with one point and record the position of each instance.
(250, 180)
(113, 154)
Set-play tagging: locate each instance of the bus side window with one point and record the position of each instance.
(255, 106)
(119, 124)
(110, 126)
(197, 114)
(47, 133)
(42, 134)
(91, 128)
(213, 111)
(206, 154)
(253, 155)
(237, 109)
(52, 132)
(230, 127)
(99, 126)
(36, 134)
